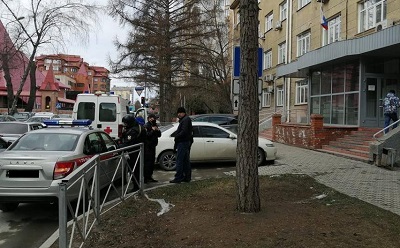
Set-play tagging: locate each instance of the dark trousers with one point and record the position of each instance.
(135, 167)
(183, 168)
(388, 118)
(149, 160)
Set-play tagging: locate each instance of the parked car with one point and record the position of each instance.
(23, 116)
(212, 143)
(35, 164)
(12, 130)
(41, 118)
(7, 118)
(63, 116)
(229, 121)
(220, 119)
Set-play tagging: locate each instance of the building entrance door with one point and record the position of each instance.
(376, 89)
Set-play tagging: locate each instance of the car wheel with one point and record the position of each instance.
(8, 206)
(260, 157)
(167, 161)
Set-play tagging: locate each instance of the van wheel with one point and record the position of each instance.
(260, 157)
(167, 161)
(9, 206)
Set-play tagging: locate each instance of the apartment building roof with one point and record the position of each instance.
(382, 43)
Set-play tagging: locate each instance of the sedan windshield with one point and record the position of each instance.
(46, 142)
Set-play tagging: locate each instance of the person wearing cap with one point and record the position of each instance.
(150, 143)
(132, 134)
(183, 142)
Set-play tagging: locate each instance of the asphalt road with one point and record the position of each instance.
(32, 224)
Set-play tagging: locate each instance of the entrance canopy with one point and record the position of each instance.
(384, 43)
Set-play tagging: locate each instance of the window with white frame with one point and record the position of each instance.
(282, 53)
(302, 3)
(226, 7)
(333, 33)
(237, 19)
(269, 22)
(279, 96)
(303, 43)
(267, 59)
(283, 11)
(266, 98)
(301, 92)
(372, 12)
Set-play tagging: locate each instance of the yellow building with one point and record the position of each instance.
(341, 71)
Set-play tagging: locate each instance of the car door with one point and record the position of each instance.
(218, 146)
(113, 158)
(197, 149)
(95, 145)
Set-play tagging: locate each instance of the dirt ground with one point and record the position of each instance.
(296, 211)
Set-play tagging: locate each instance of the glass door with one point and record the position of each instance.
(376, 89)
(386, 85)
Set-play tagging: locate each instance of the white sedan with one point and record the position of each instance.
(212, 143)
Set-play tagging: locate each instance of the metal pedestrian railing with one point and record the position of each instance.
(382, 131)
(86, 209)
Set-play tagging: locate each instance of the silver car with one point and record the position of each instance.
(34, 165)
(10, 130)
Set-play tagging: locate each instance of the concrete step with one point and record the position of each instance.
(346, 155)
(348, 145)
(354, 153)
(354, 141)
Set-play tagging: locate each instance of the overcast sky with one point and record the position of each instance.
(100, 45)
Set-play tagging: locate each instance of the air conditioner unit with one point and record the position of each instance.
(278, 25)
(268, 77)
(383, 24)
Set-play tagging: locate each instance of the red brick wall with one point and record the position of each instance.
(309, 136)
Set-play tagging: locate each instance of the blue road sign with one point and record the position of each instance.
(58, 105)
(236, 61)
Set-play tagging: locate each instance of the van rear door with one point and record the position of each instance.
(102, 110)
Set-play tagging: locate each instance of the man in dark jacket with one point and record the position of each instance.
(183, 143)
(133, 134)
(152, 135)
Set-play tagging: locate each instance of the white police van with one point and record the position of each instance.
(106, 111)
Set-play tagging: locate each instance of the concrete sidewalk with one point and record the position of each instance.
(375, 185)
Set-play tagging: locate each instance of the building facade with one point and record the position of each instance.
(334, 58)
(73, 71)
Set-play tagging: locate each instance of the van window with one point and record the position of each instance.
(86, 110)
(108, 112)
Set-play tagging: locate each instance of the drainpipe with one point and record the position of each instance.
(286, 81)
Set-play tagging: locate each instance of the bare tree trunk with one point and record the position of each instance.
(7, 77)
(32, 93)
(22, 82)
(248, 198)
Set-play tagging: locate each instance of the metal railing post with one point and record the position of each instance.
(96, 206)
(141, 180)
(62, 215)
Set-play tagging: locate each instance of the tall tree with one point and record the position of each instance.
(213, 77)
(163, 47)
(248, 197)
(47, 22)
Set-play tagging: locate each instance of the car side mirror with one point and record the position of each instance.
(8, 144)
